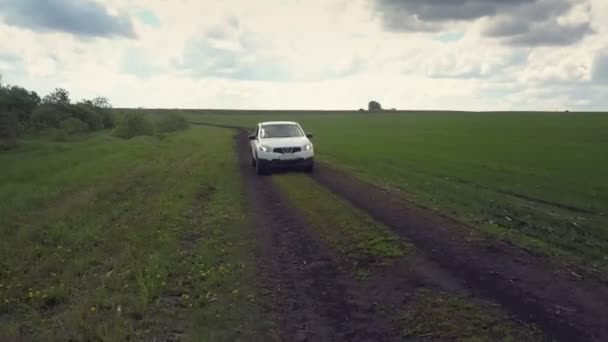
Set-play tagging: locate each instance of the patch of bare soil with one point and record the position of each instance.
(567, 306)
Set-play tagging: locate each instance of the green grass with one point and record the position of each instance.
(537, 179)
(107, 239)
(436, 316)
(362, 243)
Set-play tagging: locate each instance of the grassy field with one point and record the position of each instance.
(538, 179)
(109, 239)
(148, 238)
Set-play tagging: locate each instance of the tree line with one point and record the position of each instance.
(22, 111)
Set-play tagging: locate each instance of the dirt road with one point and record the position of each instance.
(566, 306)
(311, 297)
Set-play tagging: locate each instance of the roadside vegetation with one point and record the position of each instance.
(109, 239)
(435, 316)
(535, 179)
(363, 244)
(132, 124)
(23, 112)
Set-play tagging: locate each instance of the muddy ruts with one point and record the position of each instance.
(532, 288)
(308, 295)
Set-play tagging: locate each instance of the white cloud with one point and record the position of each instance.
(305, 54)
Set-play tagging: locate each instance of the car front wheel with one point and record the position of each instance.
(260, 168)
(308, 168)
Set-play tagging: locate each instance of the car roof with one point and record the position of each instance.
(278, 123)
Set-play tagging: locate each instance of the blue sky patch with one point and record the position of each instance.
(147, 17)
(449, 37)
(136, 63)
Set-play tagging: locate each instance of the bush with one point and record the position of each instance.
(171, 123)
(9, 125)
(23, 111)
(19, 101)
(88, 115)
(374, 106)
(103, 108)
(49, 116)
(59, 96)
(107, 118)
(73, 126)
(130, 125)
(58, 135)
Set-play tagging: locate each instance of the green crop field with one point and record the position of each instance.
(538, 179)
(106, 239)
(151, 237)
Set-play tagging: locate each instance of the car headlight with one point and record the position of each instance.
(265, 148)
(307, 147)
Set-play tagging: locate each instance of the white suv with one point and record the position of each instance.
(281, 144)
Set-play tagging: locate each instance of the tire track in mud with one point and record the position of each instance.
(530, 287)
(310, 297)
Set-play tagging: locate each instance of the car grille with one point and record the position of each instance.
(279, 162)
(287, 150)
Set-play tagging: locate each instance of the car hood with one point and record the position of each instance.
(285, 142)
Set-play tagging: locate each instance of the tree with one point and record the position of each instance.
(374, 106)
(16, 107)
(8, 130)
(20, 101)
(103, 107)
(49, 115)
(21, 109)
(59, 97)
(97, 103)
(101, 103)
(73, 126)
(87, 114)
(107, 119)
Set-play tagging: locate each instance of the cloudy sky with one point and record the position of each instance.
(312, 54)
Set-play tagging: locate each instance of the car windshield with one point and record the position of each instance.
(281, 131)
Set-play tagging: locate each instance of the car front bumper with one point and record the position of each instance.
(281, 156)
(296, 162)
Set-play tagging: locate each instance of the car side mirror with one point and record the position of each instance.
(309, 135)
(252, 137)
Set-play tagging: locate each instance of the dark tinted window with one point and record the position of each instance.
(281, 131)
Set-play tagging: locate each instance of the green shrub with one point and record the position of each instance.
(59, 96)
(49, 115)
(9, 126)
(107, 119)
(88, 115)
(130, 125)
(171, 123)
(30, 113)
(73, 126)
(58, 135)
(103, 108)
(19, 101)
